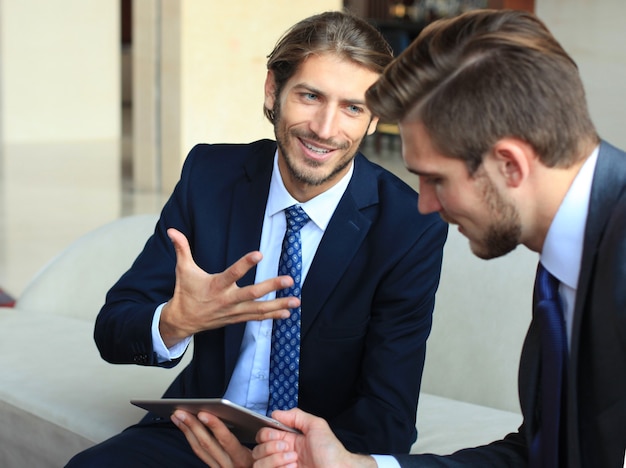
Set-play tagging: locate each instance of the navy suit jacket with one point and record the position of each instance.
(596, 387)
(367, 300)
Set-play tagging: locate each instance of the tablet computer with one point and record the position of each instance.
(242, 422)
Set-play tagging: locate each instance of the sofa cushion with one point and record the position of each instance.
(52, 371)
(75, 282)
(445, 425)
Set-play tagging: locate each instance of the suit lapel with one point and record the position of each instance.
(347, 228)
(244, 227)
(248, 208)
(608, 180)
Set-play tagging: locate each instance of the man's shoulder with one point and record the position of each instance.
(225, 163)
(396, 200)
(232, 150)
(229, 158)
(379, 185)
(366, 168)
(608, 189)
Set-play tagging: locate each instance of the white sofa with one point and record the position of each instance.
(58, 397)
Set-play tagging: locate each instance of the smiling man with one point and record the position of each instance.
(352, 310)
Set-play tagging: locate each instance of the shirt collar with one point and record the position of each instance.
(563, 247)
(319, 209)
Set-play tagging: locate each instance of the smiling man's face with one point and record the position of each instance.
(320, 119)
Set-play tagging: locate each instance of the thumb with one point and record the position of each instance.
(181, 246)
(290, 417)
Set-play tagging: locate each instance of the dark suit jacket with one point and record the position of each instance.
(367, 300)
(596, 388)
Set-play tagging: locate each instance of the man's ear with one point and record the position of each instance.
(372, 126)
(512, 158)
(270, 90)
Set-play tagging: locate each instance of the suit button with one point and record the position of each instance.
(140, 358)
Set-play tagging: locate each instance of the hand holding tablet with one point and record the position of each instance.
(242, 422)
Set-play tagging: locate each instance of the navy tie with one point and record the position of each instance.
(285, 350)
(544, 450)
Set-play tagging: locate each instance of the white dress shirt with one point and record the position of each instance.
(563, 248)
(249, 384)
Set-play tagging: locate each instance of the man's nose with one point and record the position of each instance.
(427, 201)
(325, 122)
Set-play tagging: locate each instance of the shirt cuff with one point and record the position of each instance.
(386, 461)
(162, 352)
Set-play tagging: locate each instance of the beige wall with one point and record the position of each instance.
(593, 34)
(59, 127)
(59, 70)
(213, 68)
(211, 75)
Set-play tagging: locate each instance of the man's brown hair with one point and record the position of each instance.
(485, 75)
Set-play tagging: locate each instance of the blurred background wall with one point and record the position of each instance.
(194, 69)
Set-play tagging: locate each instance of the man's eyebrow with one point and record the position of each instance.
(360, 102)
(314, 90)
(422, 173)
(308, 88)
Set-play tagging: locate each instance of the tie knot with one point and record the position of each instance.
(296, 218)
(547, 284)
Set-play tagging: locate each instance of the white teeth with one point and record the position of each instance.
(316, 149)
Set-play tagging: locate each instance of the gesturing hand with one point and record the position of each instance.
(204, 301)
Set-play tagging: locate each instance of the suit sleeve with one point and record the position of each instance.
(510, 451)
(383, 417)
(123, 326)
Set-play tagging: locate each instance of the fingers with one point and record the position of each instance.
(295, 417)
(262, 310)
(240, 455)
(289, 418)
(202, 442)
(267, 434)
(245, 301)
(204, 301)
(232, 274)
(268, 456)
(238, 269)
(241, 267)
(274, 449)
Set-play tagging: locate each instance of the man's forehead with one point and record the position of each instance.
(420, 155)
(336, 58)
(326, 73)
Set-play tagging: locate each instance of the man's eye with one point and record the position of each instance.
(432, 180)
(355, 109)
(309, 96)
